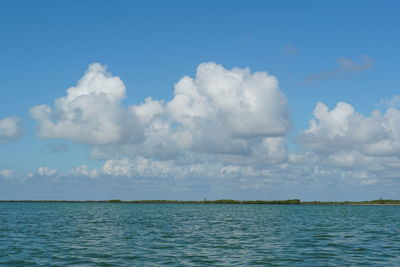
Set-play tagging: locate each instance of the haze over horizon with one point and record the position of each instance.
(178, 100)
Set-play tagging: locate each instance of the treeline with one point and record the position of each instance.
(220, 201)
(224, 201)
(371, 202)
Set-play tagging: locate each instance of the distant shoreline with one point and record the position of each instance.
(379, 202)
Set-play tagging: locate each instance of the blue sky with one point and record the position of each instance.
(319, 52)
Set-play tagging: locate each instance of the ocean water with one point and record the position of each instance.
(97, 234)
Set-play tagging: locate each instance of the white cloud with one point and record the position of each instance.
(8, 174)
(90, 113)
(242, 104)
(220, 124)
(220, 111)
(311, 171)
(10, 129)
(393, 102)
(83, 170)
(343, 128)
(142, 167)
(46, 171)
(366, 147)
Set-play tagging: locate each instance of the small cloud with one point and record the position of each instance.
(46, 171)
(52, 148)
(325, 75)
(369, 182)
(8, 174)
(83, 170)
(391, 103)
(10, 129)
(291, 49)
(346, 66)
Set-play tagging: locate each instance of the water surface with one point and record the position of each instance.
(105, 234)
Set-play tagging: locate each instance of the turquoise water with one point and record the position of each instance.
(95, 234)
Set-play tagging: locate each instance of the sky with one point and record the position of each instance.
(190, 100)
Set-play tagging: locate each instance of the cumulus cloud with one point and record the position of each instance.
(342, 128)
(242, 103)
(8, 174)
(90, 113)
(221, 123)
(219, 111)
(10, 129)
(346, 139)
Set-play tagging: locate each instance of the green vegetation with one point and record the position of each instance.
(115, 201)
(220, 201)
(225, 201)
(371, 202)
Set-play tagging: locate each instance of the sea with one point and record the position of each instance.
(123, 234)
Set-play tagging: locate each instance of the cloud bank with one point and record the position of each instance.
(220, 124)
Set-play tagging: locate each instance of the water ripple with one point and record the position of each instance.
(99, 234)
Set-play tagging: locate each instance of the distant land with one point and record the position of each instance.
(224, 201)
